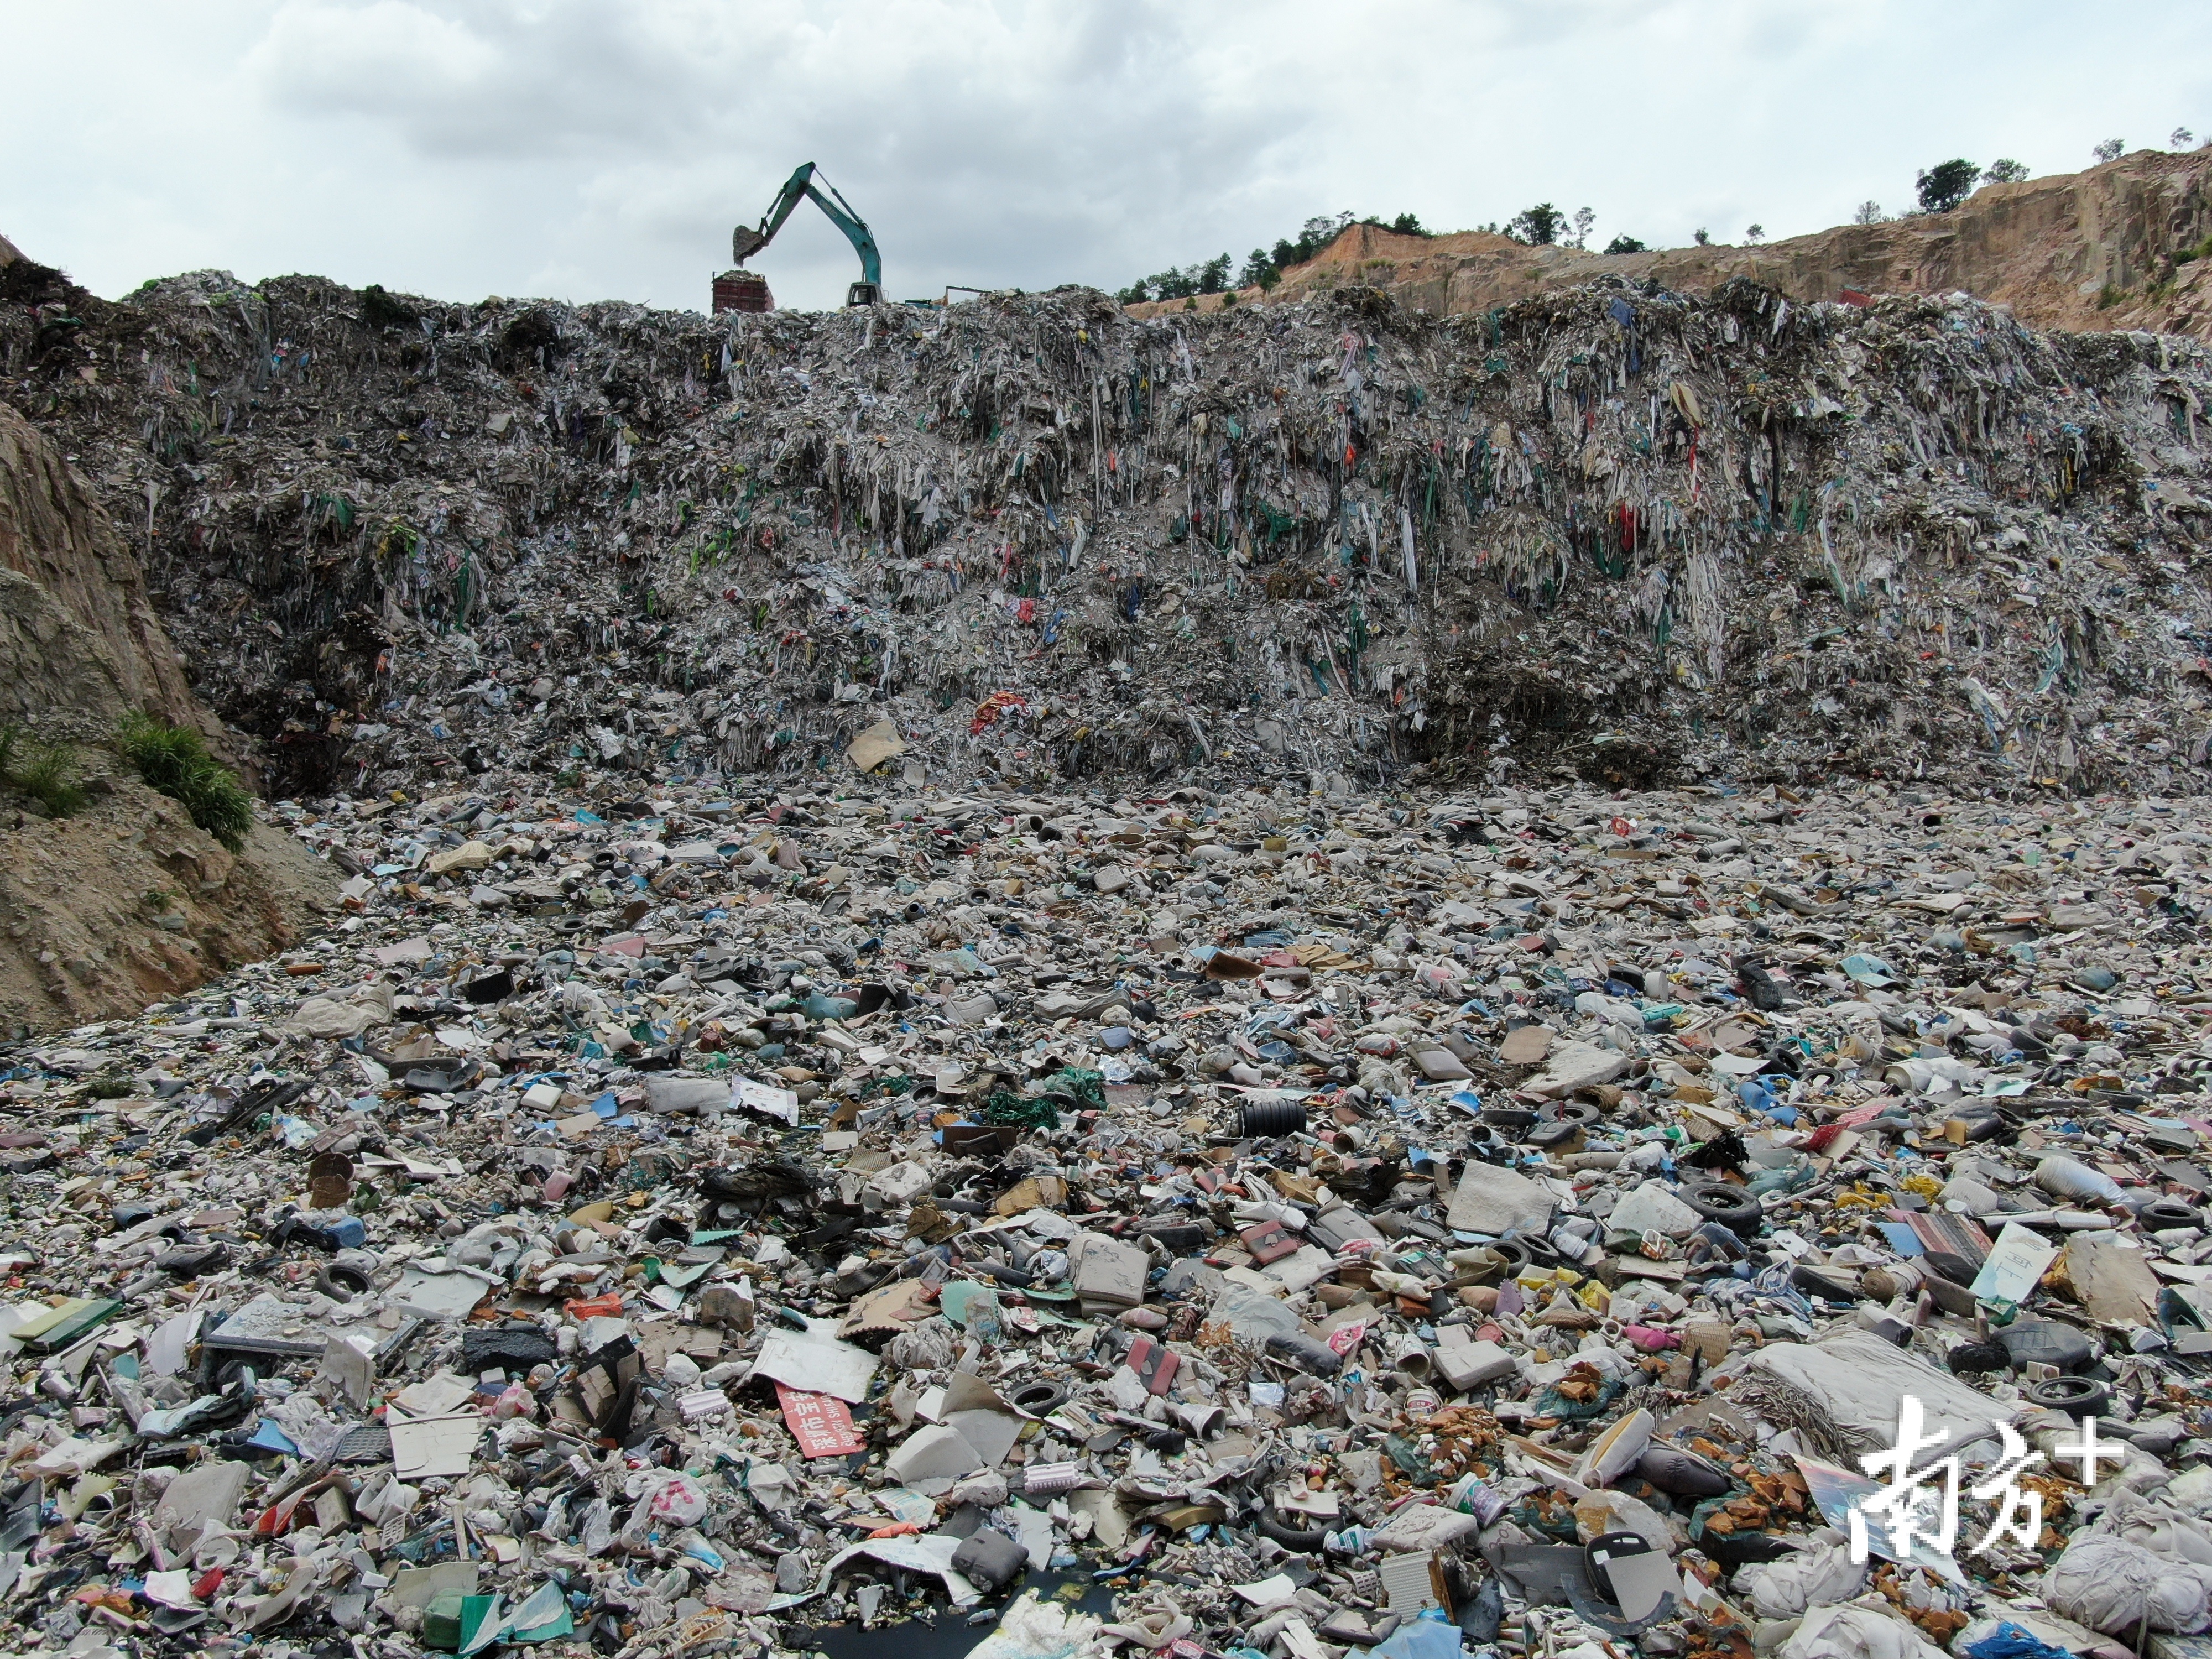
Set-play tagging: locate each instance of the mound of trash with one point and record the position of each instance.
(1486, 1222)
(1612, 533)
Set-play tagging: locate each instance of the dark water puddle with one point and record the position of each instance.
(948, 1635)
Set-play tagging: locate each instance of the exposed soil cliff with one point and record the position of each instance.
(2114, 247)
(125, 901)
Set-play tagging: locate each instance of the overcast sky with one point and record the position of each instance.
(603, 148)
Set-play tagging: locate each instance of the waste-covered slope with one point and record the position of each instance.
(1614, 529)
(2117, 246)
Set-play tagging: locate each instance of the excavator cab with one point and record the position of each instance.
(747, 240)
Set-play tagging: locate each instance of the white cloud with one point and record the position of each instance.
(603, 148)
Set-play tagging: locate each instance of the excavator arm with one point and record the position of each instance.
(744, 241)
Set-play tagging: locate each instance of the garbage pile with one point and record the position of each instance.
(1614, 534)
(1514, 1222)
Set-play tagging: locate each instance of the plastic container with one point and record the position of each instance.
(2069, 1177)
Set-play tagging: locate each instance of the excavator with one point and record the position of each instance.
(740, 286)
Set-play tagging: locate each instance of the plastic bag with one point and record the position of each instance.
(1855, 1632)
(2112, 1585)
(1426, 1636)
(1818, 1576)
(1032, 1628)
(679, 1501)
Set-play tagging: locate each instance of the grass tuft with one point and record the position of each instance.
(46, 772)
(174, 760)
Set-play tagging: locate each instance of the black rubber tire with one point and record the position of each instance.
(1733, 1207)
(1038, 1399)
(1291, 1538)
(341, 1283)
(1542, 1252)
(1517, 1252)
(2161, 1213)
(2075, 1394)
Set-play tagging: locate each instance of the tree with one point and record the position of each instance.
(1584, 218)
(1624, 245)
(1701, 237)
(1539, 225)
(1135, 295)
(1409, 224)
(2180, 139)
(2004, 171)
(2110, 150)
(1868, 212)
(1755, 234)
(1258, 270)
(1213, 275)
(1319, 232)
(1946, 184)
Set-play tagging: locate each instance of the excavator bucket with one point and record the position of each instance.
(744, 242)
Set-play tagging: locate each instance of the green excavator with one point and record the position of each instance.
(746, 241)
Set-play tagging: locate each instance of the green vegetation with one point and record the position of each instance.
(46, 772)
(1624, 245)
(2004, 171)
(174, 760)
(1263, 267)
(1537, 226)
(1946, 184)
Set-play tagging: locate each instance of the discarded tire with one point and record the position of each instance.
(1733, 1207)
(1274, 1117)
(2161, 1213)
(341, 1283)
(2068, 1393)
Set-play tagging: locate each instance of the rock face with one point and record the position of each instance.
(107, 909)
(127, 903)
(79, 641)
(2088, 251)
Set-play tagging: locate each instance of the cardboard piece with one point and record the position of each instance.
(871, 748)
(2111, 1278)
(819, 1363)
(1494, 1202)
(931, 1459)
(434, 1446)
(1526, 1045)
(206, 1492)
(2016, 1265)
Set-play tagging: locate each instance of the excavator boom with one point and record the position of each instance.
(746, 241)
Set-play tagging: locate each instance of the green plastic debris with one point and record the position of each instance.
(1004, 1106)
